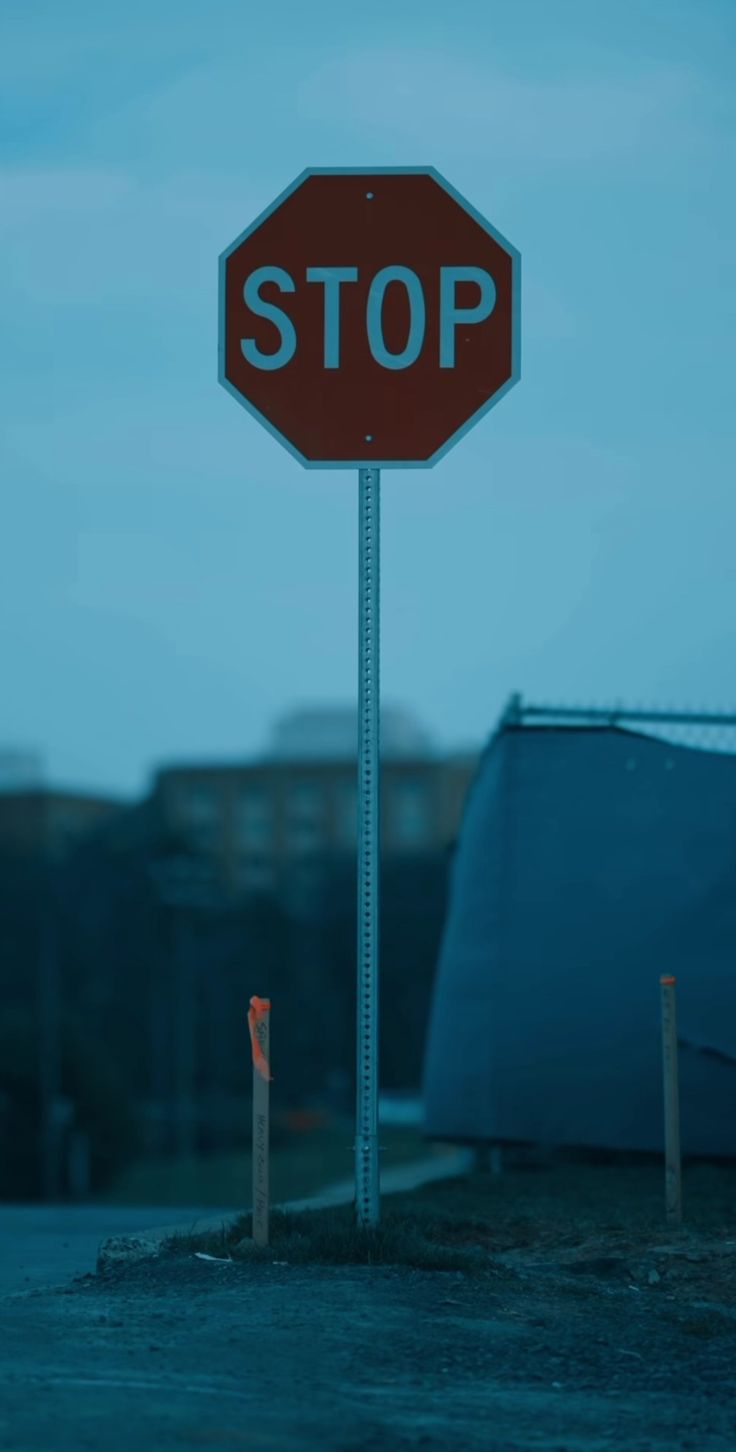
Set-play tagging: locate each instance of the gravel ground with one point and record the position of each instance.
(585, 1338)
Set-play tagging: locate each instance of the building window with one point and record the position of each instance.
(410, 814)
(306, 802)
(254, 819)
(205, 836)
(304, 837)
(199, 809)
(305, 808)
(252, 874)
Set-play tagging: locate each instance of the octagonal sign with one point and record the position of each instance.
(369, 316)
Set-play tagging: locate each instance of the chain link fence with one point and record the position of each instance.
(713, 731)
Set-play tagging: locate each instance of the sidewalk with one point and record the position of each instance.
(117, 1249)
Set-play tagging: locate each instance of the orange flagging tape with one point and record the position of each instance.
(259, 1007)
(667, 978)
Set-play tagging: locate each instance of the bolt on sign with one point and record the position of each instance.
(368, 319)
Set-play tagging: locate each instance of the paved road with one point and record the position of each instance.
(42, 1245)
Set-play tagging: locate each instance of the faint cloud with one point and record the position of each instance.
(546, 315)
(30, 194)
(114, 235)
(426, 98)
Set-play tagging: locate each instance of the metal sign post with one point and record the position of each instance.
(366, 1129)
(315, 297)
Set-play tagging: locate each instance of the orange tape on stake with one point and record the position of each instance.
(259, 1007)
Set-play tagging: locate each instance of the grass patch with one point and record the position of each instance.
(568, 1202)
(469, 1222)
(427, 1241)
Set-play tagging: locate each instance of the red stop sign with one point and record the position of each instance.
(369, 317)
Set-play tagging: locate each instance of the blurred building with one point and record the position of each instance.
(332, 732)
(41, 821)
(21, 769)
(276, 816)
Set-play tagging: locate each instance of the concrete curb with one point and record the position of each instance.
(122, 1249)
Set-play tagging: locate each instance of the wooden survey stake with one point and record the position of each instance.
(258, 1023)
(672, 1164)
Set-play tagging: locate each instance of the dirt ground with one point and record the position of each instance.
(588, 1324)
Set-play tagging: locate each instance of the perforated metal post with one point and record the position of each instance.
(366, 1135)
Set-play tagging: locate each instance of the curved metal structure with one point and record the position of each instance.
(590, 861)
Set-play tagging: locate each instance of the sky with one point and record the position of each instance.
(171, 580)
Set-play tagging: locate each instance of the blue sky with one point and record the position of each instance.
(170, 578)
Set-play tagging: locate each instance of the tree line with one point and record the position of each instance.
(126, 975)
